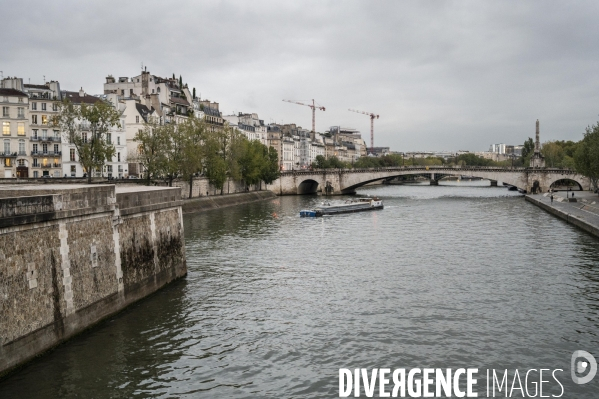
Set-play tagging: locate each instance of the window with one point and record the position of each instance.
(21, 112)
(34, 152)
(20, 128)
(152, 91)
(84, 137)
(72, 156)
(45, 148)
(108, 138)
(34, 133)
(44, 119)
(20, 99)
(45, 162)
(21, 147)
(7, 162)
(21, 162)
(5, 99)
(73, 170)
(43, 106)
(5, 112)
(131, 92)
(7, 146)
(35, 173)
(35, 162)
(56, 149)
(6, 128)
(34, 119)
(118, 157)
(44, 134)
(118, 140)
(34, 106)
(56, 162)
(56, 135)
(136, 118)
(158, 89)
(54, 107)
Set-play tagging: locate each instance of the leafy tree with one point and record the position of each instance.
(586, 157)
(320, 163)
(86, 127)
(270, 170)
(251, 161)
(473, 160)
(180, 82)
(152, 143)
(553, 153)
(193, 133)
(215, 166)
(527, 150)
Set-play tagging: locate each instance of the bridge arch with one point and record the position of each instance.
(308, 186)
(561, 184)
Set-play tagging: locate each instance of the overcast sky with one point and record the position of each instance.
(443, 75)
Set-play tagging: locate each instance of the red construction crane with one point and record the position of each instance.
(372, 116)
(314, 108)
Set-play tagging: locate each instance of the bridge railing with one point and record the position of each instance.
(430, 169)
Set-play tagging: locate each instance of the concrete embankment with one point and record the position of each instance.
(72, 255)
(220, 201)
(583, 214)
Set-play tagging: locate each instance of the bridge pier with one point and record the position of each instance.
(493, 183)
(434, 182)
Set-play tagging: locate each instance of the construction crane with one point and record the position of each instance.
(314, 108)
(372, 117)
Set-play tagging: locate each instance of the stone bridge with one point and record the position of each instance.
(346, 181)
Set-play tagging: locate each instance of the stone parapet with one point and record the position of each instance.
(73, 255)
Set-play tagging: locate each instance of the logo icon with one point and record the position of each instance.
(583, 362)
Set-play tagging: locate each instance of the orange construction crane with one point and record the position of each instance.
(372, 116)
(314, 108)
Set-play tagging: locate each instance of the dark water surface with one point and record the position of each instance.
(274, 305)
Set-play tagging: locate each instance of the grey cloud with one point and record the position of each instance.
(442, 74)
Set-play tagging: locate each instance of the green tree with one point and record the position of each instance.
(320, 162)
(87, 127)
(251, 161)
(270, 170)
(553, 153)
(473, 160)
(193, 132)
(586, 157)
(527, 150)
(151, 145)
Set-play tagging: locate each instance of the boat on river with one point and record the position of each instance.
(350, 206)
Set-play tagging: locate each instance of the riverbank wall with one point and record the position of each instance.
(72, 255)
(220, 201)
(573, 213)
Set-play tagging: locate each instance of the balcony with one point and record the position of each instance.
(46, 154)
(47, 138)
(22, 153)
(8, 154)
(49, 165)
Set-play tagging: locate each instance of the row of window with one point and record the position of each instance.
(20, 128)
(6, 112)
(43, 106)
(5, 99)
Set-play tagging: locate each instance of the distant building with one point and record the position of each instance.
(497, 148)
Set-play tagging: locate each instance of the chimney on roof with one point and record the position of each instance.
(81, 92)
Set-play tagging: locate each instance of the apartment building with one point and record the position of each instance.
(45, 140)
(15, 160)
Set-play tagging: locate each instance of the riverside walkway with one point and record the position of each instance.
(584, 213)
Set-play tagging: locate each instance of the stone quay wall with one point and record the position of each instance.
(71, 255)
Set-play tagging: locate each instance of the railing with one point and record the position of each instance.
(47, 138)
(46, 166)
(8, 154)
(45, 154)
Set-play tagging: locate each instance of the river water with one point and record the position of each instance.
(273, 305)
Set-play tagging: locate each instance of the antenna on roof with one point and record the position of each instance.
(44, 78)
(142, 65)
